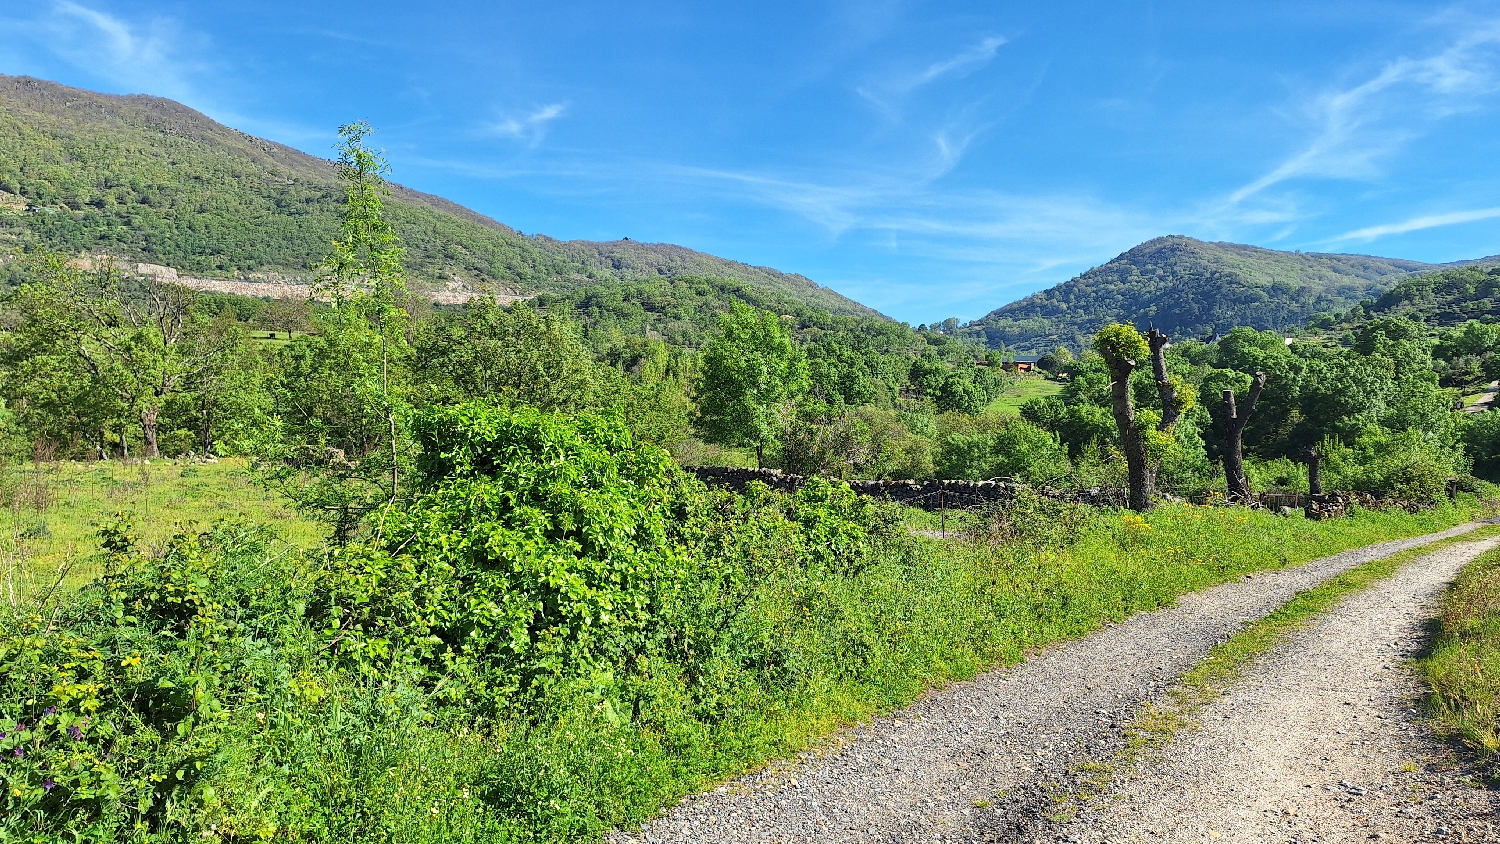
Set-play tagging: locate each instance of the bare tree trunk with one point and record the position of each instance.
(1236, 486)
(208, 426)
(148, 432)
(1314, 470)
(1170, 409)
(760, 457)
(1140, 483)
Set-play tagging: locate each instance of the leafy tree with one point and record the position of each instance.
(1469, 355)
(1055, 361)
(749, 374)
(55, 395)
(139, 340)
(865, 442)
(229, 411)
(1080, 427)
(340, 395)
(1481, 439)
(649, 385)
(487, 351)
(1003, 447)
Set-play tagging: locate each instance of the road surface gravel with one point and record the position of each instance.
(1320, 741)
(980, 761)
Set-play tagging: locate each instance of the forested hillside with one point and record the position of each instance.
(1190, 288)
(154, 181)
(1442, 299)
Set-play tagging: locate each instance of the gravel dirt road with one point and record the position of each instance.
(1321, 741)
(980, 761)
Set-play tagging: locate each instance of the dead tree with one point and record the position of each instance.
(1170, 409)
(1237, 488)
(1314, 470)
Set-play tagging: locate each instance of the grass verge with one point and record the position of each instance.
(1463, 666)
(1022, 389)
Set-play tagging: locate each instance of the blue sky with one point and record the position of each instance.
(928, 159)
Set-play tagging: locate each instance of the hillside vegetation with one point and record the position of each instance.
(1192, 289)
(152, 180)
(1441, 300)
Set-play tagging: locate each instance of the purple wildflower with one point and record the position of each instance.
(20, 751)
(48, 784)
(51, 710)
(75, 732)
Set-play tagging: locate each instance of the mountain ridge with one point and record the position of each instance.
(1194, 288)
(151, 180)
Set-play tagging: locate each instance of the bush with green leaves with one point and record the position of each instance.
(861, 442)
(123, 705)
(999, 446)
(1407, 466)
(1482, 440)
(544, 544)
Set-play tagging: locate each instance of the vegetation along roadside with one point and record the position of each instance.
(1463, 666)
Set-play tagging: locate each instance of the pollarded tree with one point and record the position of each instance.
(1166, 386)
(750, 372)
(1123, 347)
(1236, 485)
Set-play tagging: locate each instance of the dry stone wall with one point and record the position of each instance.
(928, 495)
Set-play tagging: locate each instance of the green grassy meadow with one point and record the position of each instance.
(49, 525)
(1021, 388)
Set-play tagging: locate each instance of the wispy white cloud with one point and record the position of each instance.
(154, 57)
(531, 128)
(961, 64)
(884, 94)
(1430, 221)
(1355, 127)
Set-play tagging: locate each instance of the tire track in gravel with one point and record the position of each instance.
(931, 772)
(1320, 741)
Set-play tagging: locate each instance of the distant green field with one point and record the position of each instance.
(1024, 387)
(51, 514)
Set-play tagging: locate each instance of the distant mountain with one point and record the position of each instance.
(1189, 288)
(1444, 298)
(153, 181)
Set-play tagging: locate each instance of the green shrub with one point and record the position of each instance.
(865, 443)
(541, 544)
(1407, 466)
(1001, 446)
(1482, 439)
(121, 704)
